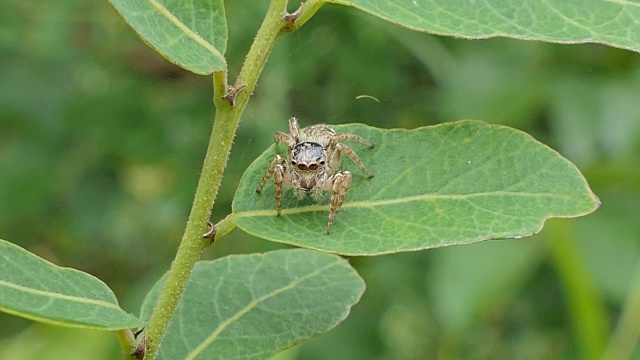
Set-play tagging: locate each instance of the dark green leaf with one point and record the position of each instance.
(191, 34)
(615, 23)
(252, 306)
(450, 184)
(36, 289)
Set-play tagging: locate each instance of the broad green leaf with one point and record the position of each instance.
(191, 34)
(252, 306)
(36, 289)
(614, 23)
(449, 184)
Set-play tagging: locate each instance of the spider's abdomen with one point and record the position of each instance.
(320, 134)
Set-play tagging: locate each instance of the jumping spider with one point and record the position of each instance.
(313, 165)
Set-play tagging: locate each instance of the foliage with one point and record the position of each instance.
(571, 22)
(36, 289)
(483, 182)
(244, 306)
(192, 34)
(119, 162)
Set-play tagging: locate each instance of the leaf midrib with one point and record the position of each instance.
(186, 30)
(59, 296)
(400, 200)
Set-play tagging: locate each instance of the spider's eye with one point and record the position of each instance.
(302, 167)
(322, 162)
(293, 162)
(313, 167)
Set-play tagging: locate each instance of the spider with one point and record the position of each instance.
(313, 165)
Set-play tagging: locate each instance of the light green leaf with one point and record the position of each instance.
(252, 306)
(191, 34)
(450, 184)
(615, 23)
(36, 289)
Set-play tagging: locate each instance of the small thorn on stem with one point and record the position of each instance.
(137, 333)
(211, 234)
(290, 18)
(232, 93)
(141, 349)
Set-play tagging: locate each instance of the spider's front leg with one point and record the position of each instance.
(341, 182)
(278, 171)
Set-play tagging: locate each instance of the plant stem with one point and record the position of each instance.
(127, 343)
(627, 332)
(225, 125)
(588, 314)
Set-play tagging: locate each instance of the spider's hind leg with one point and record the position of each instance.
(342, 148)
(352, 137)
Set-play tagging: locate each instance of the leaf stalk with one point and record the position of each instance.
(307, 10)
(127, 343)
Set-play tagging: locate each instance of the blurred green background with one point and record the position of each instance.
(102, 141)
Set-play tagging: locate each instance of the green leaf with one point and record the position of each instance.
(252, 306)
(36, 289)
(450, 184)
(614, 23)
(191, 34)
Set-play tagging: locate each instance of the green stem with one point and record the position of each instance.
(224, 128)
(587, 310)
(127, 343)
(627, 332)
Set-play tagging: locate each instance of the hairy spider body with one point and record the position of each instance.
(313, 164)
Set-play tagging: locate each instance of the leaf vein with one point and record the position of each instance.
(54, 295)
(374, 203)
(186, 30)
(250, 306)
